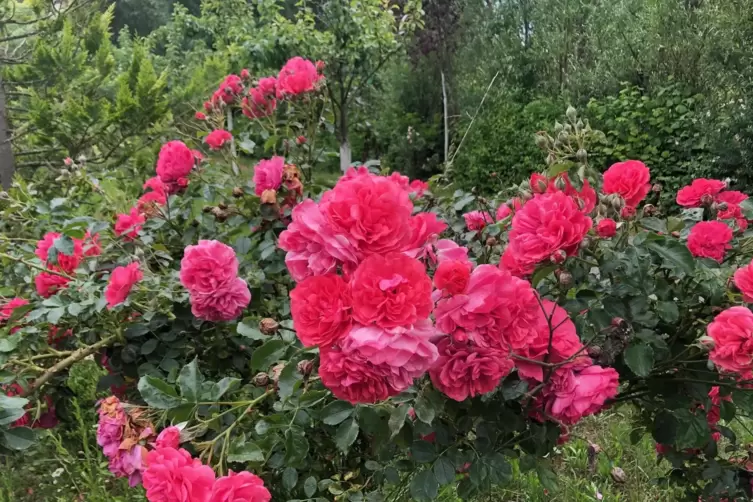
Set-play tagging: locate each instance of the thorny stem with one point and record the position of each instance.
(35, 266)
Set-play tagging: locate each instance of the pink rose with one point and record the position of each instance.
(240, 487)
(731, 197)
(445, 249)
(6, 311)
(390, 291)
(503, 211)
(538, 183)
(744, 281)
(700, 192)
(217, 139)
(546, 225)
(402, 354)
(477, 220)
(296, 77)
(128, 464)
(268, 174)
(91, 244)
(168, 438)
(352, 378)
(207, 266)
(173, 476)
(110, 433)
(510, 263)
(145, 204)
(629, 180)
(585, 199)
(452, 276)
(230, 87)
(565, 342)
(175, 161)
(574, 393)
(418, 188)
(200, 116)
(313, 246)
(225, 303)
(464, 371)
(732, 333)
(66, 262)
(48, 284)
(122, 281)
(321, 310)
(424, 230)
(606, 228)
(258, 104)
(373, 212)
(268, 86)
(710, 239)
(129, 225)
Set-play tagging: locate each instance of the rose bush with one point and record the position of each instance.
(266, 338)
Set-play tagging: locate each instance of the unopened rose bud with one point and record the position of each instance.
(557, 127)
(560, 183)
(222, 206)
(558, 256)
(276, 371)
(301, 140)
(550, 159)
(526, 195)
(707, 341)
(268, 326)
(237, 192)
(261, 380)
(649, 209)
(616, 201)
(269, 196)
(562, 137)
(245, 74)
(675, 234)
(200, 116)
(571, 113)
(208, 106)
(656, 187)
(618, 475)
(707, 199)
(541, 140)
(618, 322)
(82, 159)
(68, 161)
(493, 174)
(627, 213)
(305, 367)
(207, 209)
(219, 214)
(585, 243)
(581, 155)
(594, 351)
(320, 65)
(4, 195)
(565, 279)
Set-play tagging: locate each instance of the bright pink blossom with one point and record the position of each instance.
(240, 487)
(629, 180)
(268, 86)
(168, 438)
(585, 199)
(129, 225)
(445, 249)
(122, 281)
(48, 284)
(503, 211)
(390, 291)
(418, 188)
(425, 228)
(452, 276)
(731, 197)
(464, 370)
(217, 139)
(207, 266)
(175, 161)
(296, 77)
(573, 393)
(700, 192)
(268, 174)
(257, 104)
(352, 378)
(6, 311)
(173, 476)
(129, 464)
(200, 116)
(321, 309)
(509, 262)
(744, 281)
(91, 245)
(606, 228)
(546, 225)
(710, 239)
(477, 220)
(225, 303)
(732, 334)
(66, 262)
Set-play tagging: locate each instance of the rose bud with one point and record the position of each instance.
(268, 326)
(237, 192)
(261, 380)
(305, 367)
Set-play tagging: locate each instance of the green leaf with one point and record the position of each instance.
(665, 428)
(512, 390)
(17, 438)
(444, 471)
(655, 224)
(245, 452)
(189, 381)
(541, 274)
(675, 256)
(547, 476)
(288, 378)
(692, 431)
(668, 311)
(158, 394)
(640, 359)
(423, 451)
(397, 419)
(54, 315)
(346, 434)
(9, 344)
(309, 486)
(149, 346)
(10, 415)
(727, 410)
(556, 169)
(270, 352)
(242, 245)
(289, 478)
(424, 409)
(7, 402)
(296, 447)
(336, 411)
(136, 330)
(251, 332)
(424, 486)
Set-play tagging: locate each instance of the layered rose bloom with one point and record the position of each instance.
(175, 162)
(477, 220)
(173, 476)
(65, 262)
(573, 393)
(503, 211)
(452, 277)
(129, 225)
(217, 139)
(225, 303)
(585, 198)
(510, 263)
(700, 192)
(48, 284)
(629, 180)
(710, 239)
(424, 231)
(321, 309)
(168, 438)
(545, 225)
(6, 311)
(606, 228)
(297, 77)
(743, 279)
(121, 282)
(390, 291)
(732, 334)
(240, 487)
(207, 265)
(464, 370)
(351, 377)
(268, 174)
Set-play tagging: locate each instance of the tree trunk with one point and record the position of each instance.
(345, 153)
(7, 161)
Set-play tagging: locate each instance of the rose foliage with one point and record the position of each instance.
(266, 338)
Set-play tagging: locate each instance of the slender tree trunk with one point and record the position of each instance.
(7, 161)
(446, 127)
(345, 153)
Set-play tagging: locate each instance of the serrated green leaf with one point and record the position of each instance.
(424, 486)
(245, 452)
(189, 381)
(640, 359)
(270, 352)
(158, 393)
(336, 411)
(346, 434)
